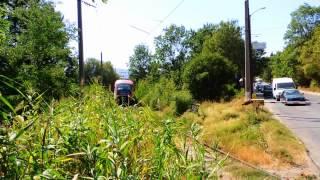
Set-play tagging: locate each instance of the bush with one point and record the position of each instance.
(104, 74)
(162, 94)
(183, 100)
(209, 77)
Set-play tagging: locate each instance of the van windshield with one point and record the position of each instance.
(288, 85)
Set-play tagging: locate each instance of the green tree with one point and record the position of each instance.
(4, 26)
(209, 77)
(303, 21)
(310, 57)
(226, 40)
(286, 64)
(172, 51)
(4, 32)
(197, 39)
(140, 62)
(38, 54)
(104, 74)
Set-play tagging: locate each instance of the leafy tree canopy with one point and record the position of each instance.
(198, 38)
(303, 21)
(172, 47)
(285, 64)
(104, 72)
(310, 57)
(4, 26)
(140, 62)
(226, 40)
(38, 53)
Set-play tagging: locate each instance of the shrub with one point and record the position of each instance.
(104, 74)
(209, 76)
(162, 94)
(183, 100)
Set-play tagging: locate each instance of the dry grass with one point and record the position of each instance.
(239, 171)
(248, 134)
(283, 144)
(311, 89)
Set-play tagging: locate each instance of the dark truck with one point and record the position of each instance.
(123, 91)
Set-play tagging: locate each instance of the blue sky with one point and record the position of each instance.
(112, 28)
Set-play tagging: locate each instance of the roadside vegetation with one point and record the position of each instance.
(186, 91)
(244, 131)
(91, 137)
(300, 58)
(312, 89)
(252, 135)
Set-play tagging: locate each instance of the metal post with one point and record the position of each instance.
(80, 45)
(248, 81)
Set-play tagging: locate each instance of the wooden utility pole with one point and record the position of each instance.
(101, 58)
(80, 45)
(248, 68)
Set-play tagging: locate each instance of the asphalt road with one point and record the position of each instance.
(304, 121)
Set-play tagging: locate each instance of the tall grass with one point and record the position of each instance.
(163, 94)
(90, 137)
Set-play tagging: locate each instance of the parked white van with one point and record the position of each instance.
(280, 84)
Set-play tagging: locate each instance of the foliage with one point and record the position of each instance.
(286, 63)
(105, 73)
(227, 41)
(4, 26)
(310, 57)
(4, 33)
(262, 65)
(140, 62)
(183, 101)
(198, 38)
(299, 59)
(172, 50)
(92, 138)
(162, 94)
(178, 46)
(303, 22)
(37, 52)
(209, 77)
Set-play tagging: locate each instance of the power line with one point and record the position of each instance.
(173, 10)
(88, 4)
(139, 29)
(168, 15)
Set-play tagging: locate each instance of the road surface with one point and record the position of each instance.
(304, 121)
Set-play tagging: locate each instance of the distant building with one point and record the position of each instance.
(259, 46)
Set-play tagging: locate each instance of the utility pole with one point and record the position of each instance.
(80, 45)
(248, 67)
(101, 57)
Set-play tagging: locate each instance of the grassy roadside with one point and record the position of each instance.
(250, 135)
(92, 137)
(310, 89)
